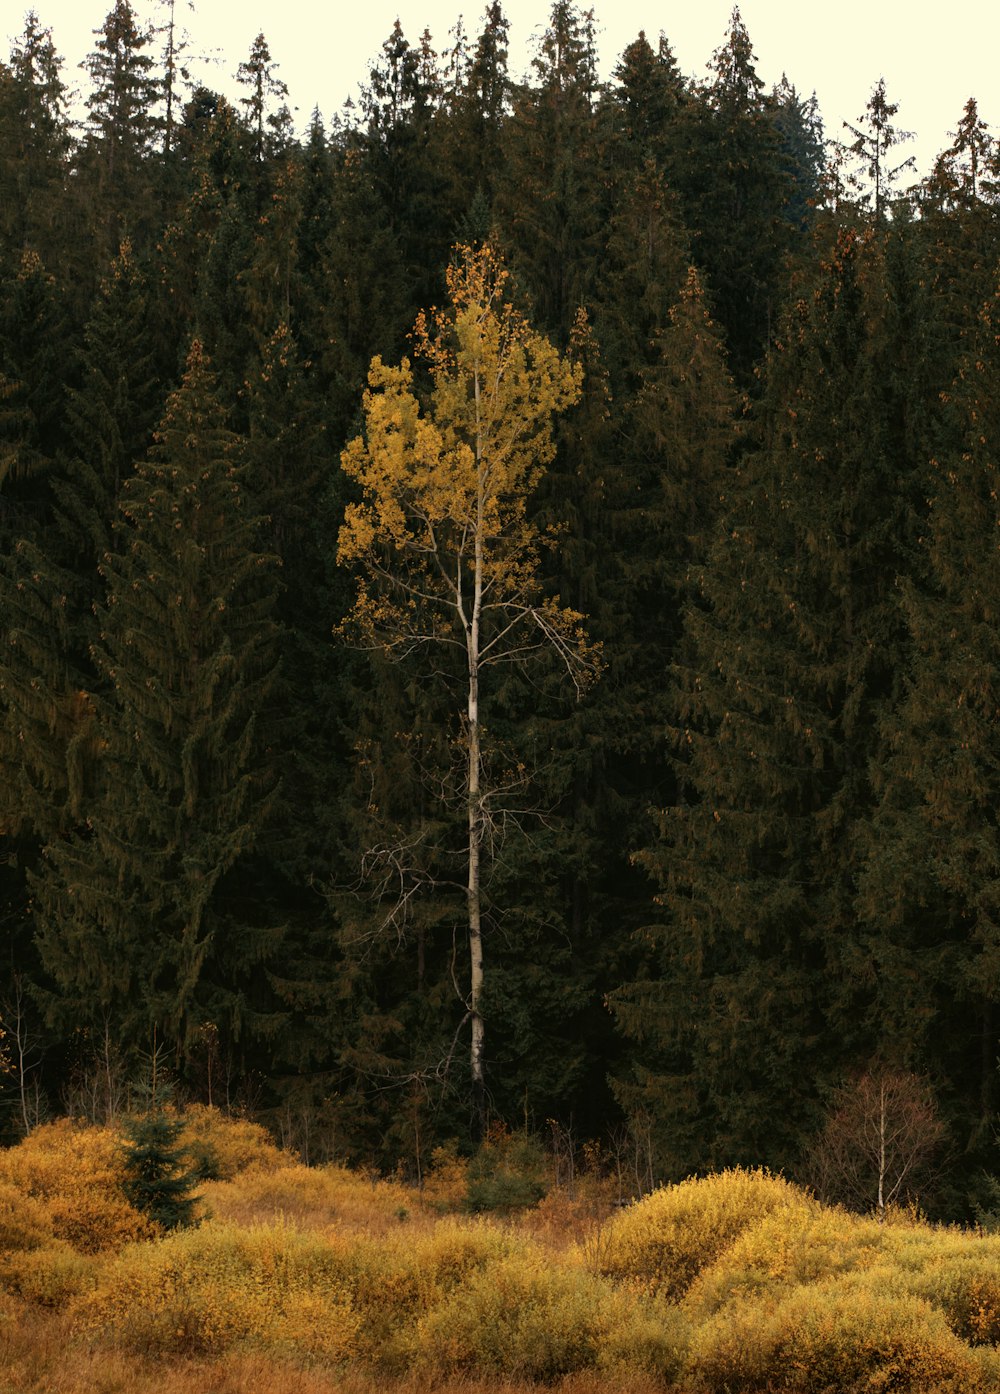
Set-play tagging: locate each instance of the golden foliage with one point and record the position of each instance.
(522, 1317)
(49, 1276)
(842, 1334)
(25, 1222)
(226, 1146)
(73, 1170)
(219, 1286)
(662, 1243)
(441, 530)
(446, 1184)
(308, 1197)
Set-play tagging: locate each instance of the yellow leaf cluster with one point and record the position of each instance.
(445, 477)
(74, 1172)
(663, 1244)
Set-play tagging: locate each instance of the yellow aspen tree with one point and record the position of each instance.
(442, 537)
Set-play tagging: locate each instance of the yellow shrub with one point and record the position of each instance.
(958, 1273)
(48, 1277)
(662, 1243)
(25, 1222)
(845, 1335)
(210, 1289)
(394, 1281)
(573, 1214)
(644, 1338)
(453, 1250)
(523, 1317)
(313, 1197)
(787, 1248)
(74, 1171)
(222, 1146)
(447, 1182)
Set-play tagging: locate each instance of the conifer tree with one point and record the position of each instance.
(258, 75)
(644, 266)
(960, 237)
(736, 189)
(156, 1181)
(873, 138)
(549, 205)
(50, 576)
(176, 42)
(646, 99)
(966, 171)
(142, 917)
(475, 108)
(931, 888)
(401, 159)
(110, 416)
(801, 129)
(34, 144)
(40, 702)
(210, 245)
(123, 127)
(359, 293)
(792, 648)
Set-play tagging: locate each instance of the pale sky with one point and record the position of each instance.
(933, 60)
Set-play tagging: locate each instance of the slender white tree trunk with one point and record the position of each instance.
(881, 1151)
(475, 806)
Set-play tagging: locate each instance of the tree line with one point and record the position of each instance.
(753, 860)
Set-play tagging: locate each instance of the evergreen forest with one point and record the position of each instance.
(718, 842)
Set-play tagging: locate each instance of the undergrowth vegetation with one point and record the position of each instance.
(320, 1279)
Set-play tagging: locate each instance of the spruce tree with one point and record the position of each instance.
(156, 1181)
(646, 103)
(549, 203)
(43, 709)
(34, 146)
(475, 107)
(736, 187)
(402, 162)
(143, 916)
(758, 993)
(123, 129)
(258, 75)
(960, 237)
(931, 887)
(873, 144)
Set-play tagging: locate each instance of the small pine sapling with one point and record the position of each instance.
(156, 1180)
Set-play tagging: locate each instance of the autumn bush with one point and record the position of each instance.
(397, 1278)
(74, 1172)
(25, 1221)
(849, 1334)
(788, 1248)
(221, 1146)
(49, 1276)
(446, 1183)
(661, 1244)
(310, 1197)
(957, 1272)
(220, 1286)
(522, 1317)
(736, 1282)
